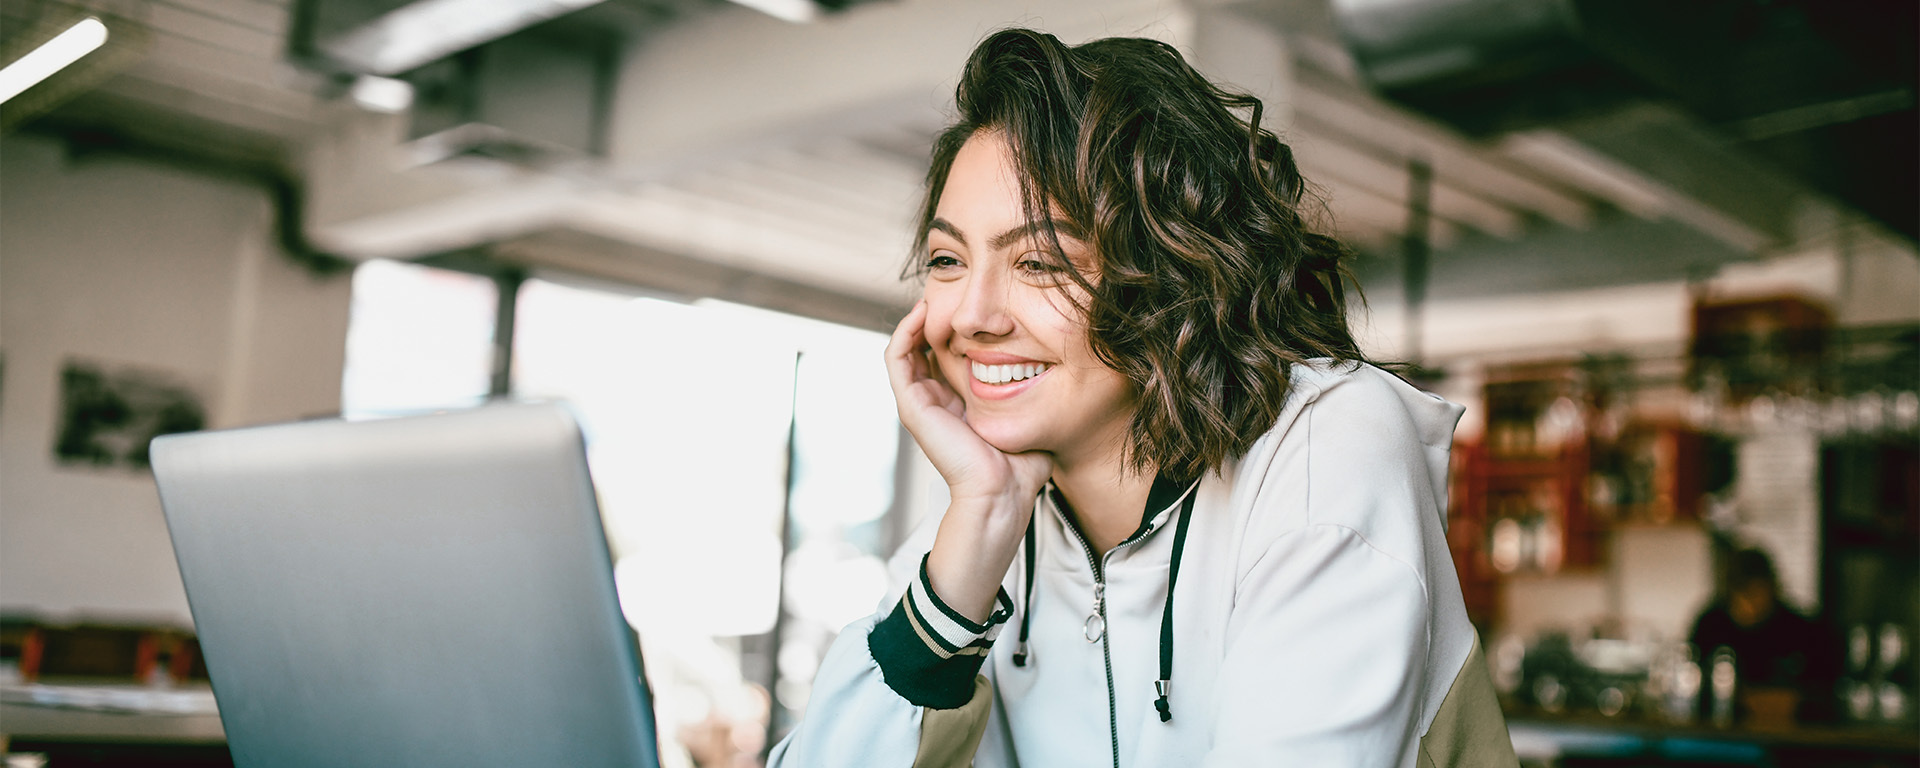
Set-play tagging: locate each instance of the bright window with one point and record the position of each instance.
(737, 565)
(688, 410)
(419, 339)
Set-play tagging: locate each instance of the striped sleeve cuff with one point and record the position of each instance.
(928, 652)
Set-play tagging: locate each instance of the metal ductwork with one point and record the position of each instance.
(528, 82)
(538, 96)
(1822, 91)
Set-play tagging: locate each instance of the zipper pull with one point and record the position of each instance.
(1096, 624)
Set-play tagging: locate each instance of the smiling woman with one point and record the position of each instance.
(1001, 320)
(1132, 355)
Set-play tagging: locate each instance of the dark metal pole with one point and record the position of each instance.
(786, 548)
(1415, 246)
(507, 282)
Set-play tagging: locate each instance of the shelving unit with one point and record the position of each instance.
(1521, 490)
(1563, 462)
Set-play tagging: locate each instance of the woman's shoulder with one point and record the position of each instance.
(1357, 447)
(1351, 405)
(1326, 383)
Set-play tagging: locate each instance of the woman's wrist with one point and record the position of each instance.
(972, 551)
(1004, 504)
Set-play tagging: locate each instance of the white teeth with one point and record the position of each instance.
(1001, 374)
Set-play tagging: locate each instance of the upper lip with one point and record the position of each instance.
(987, 357)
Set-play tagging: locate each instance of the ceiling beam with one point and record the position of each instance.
(1627, 188)
(679, 274)
(1390, 180)
(1388, 132)
(735, 80)
(741, 237)
(1357, 204)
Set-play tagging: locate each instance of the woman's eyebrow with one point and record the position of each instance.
(947, 227)
(1011, 236)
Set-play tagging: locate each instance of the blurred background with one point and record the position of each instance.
(1663, 251)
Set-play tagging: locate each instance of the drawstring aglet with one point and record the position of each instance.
(1163, 687)
(1020, 654)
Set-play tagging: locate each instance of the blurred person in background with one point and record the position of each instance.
(1775, 648)
(1165, 454)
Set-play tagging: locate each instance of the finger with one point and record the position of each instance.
(904, 346)
(907, 334)
(918, 390)
(921, 358)
(907, 329)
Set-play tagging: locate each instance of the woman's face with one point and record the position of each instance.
(1001, 322)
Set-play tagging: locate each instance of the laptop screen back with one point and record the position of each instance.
(430, 591)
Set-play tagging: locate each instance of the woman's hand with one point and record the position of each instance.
(992, 491)
(936, 416)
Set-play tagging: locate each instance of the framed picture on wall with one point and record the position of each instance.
(109, 414)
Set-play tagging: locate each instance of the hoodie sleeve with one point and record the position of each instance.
(902, 687)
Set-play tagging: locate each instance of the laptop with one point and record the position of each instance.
(427, 591)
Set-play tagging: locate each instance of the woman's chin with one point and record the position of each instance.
(1007, 438)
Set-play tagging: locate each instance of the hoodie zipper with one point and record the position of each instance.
(1097, 563)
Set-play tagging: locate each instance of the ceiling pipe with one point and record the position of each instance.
(425, 31)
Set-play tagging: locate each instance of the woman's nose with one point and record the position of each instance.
(983, 307)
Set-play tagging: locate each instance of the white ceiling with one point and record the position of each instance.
(728, 163)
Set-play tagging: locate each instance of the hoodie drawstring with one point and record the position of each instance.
(1026, 607)
(1164, 685)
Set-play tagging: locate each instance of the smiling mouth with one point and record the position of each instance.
(1003, 374)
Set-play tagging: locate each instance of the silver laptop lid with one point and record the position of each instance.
(429, 591)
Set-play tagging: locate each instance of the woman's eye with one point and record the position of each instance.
(941, 260)
(1040, 267)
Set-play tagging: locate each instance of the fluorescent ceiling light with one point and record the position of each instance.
(64, 49)
(382, 94)
(796, 11)
(427, 30)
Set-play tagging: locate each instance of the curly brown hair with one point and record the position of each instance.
(1209, 284)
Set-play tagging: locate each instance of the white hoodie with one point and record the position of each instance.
(1317, 621)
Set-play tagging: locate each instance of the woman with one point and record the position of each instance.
(1131, 366)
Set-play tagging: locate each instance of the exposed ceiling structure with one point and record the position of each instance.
(655, 133)
(1822, 92)
(213, 71)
